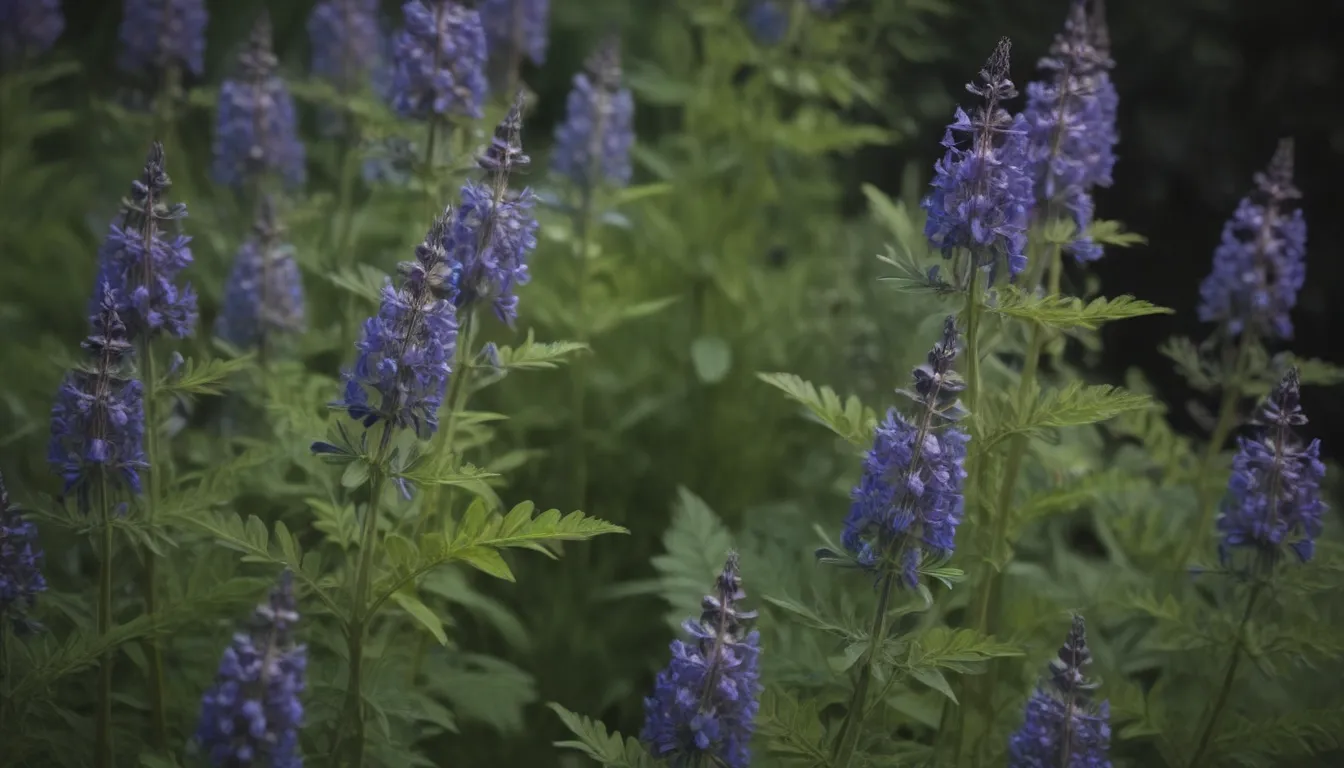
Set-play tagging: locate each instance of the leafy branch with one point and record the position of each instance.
(1068, 312)
(849, 418)
(611, 750)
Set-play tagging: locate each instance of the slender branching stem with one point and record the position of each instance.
(848, 739)
(1229, 676)
(1206, 493)
(103, 756)
(149, 586)
(359, 620)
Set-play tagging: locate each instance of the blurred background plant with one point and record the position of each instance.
(778, 147)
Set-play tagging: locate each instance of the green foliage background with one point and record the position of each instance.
(728, 297)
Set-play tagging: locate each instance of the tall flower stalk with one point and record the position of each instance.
(160, 41)
(1273, 508)
(1258, 269)
(907, 506)
(97, 447)
(138, 273)
(397, 383)
(592, 152)
(28, 28)
(516, 30)
(263, 298)
(704, 703)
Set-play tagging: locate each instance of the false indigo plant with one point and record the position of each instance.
(1063, 728)
(1067, 140)
(439, 61)
(907, 504)
(1258, 269)
(97, 447)
(21, 577)
(592, 145)
(28, 28)
(346, 41)
(253, 712)
(704, 703)
(255, 128)
(161, 36)
(263, 298)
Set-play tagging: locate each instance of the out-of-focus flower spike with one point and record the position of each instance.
(439, 61)
(158, 35)
(593, 143)
(346, 41)
(518, 27)
(264, 293)
(21, 557)
(28, 28)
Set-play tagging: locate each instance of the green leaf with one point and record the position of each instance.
(809, 618)
(1068, 312)
(411, 604)
(960, 650)
(487, 560)
(467, 477)
(1185, 354)
(639, 192)
(607, 749)
(207, 379)
(1113, 233)
(532, 355)
(362, 280)
(933, 678)
(356, 474)
(849, 419)
(712, 358)
(1310, 371)
(696, 543)
(792, 729)
(1074, 405)
(1279, 741)
(609, 317)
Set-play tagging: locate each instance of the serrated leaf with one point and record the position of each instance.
(422, 614)
(1066, 313)
(809, 618)
(792, 729)
(362, 280)
(1112, 233)
(959, 650)
(696, 543)
(532, 355)
(207, 379)
(467, 477)
(849, 419)
(607, 749)
(488, 561)
(1189, 364)
(1074, 405)
(1274, 742)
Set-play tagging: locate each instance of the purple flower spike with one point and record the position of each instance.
(593, 144)
(1062, 728)
(908, 503)
(439, 61)
(346, 41)
(1274, 495)
(255, 129)
(768, 21)
(140, 261)
(982, 193)
(1069, 131)
(29, 27)
(704, 703)
(1260, 265)
(493, 229)
(406, 351)
(520, 27)
(157, 35)
(20, 564)
(98, 419)
(252, 715)
(264, 294)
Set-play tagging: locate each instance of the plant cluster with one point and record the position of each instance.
(1035, 570)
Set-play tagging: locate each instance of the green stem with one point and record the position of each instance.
(1233, 662)
(359, 622)
(578, 372)
(349, 162)
(1206, 493)
(848, 739)
(149, 584)
(103, 757)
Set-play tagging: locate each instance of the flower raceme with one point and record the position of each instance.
(704, 703)
(1274, 495)
(493, 229)
(908, 503)
(256, 132)
(98, 419)
(346, 41)
(593, 143)
(251, 716)
(29, 27)
(518, 26)
(1068, 142)
(264, 293)
(157, 35)
(1062, 728)
(767, 20)
(982, 193)
(20, 563)
(139, 261)
(1260, 265)
(439, 61)
(406, 350)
